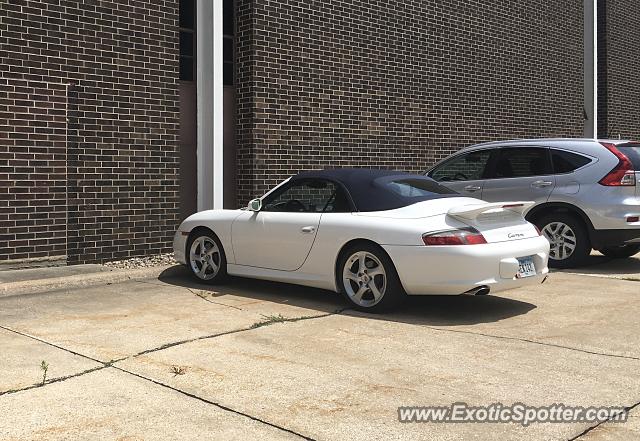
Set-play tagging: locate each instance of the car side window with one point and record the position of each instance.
(339, 203)
(304, 196)
(567, 162)
(522, 162)
(467, 167)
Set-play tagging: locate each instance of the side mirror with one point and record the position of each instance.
(255, 205)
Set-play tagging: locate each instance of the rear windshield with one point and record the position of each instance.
(418, 188)
(631, 151)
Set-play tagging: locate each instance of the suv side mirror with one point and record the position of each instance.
(255, 205)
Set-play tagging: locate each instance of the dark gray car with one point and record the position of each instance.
(586, 191)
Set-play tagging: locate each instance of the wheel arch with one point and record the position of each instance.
(196, 230)
(560, 207)
(221, 273)
(345, 247)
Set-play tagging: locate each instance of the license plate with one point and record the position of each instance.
(526, 267)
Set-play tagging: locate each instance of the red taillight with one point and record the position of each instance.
(467, 236)
(623, 175)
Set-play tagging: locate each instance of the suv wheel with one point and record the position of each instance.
(569, 239)
(621, 252)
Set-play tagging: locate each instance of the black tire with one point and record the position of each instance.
(582, 242)
(393, 293)
(621, 252)
(218, 258)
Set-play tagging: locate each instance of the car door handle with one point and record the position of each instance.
(472, 188)
(542, 184)
(308, 230)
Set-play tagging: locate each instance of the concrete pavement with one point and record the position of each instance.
(600, 266)
(112, 405)
(167, 358)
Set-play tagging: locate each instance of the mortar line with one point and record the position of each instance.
(589, 429)
(524, 340)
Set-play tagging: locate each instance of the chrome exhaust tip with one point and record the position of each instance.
(478, 291)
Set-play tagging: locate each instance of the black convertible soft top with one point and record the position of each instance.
(380, 190)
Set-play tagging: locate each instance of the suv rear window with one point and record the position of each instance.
(631, 151)
(566, 162)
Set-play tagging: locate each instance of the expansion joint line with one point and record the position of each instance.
(595, 426)
(111, 364)
(524, 340)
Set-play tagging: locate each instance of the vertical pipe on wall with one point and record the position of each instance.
(210, 98)
(218, 105)
(591, 68)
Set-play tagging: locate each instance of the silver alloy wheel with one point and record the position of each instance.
(562, 239)
(204, 257)
(364, 279)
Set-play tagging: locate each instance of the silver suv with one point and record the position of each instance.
(585, 190)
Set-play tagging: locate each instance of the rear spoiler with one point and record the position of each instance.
(471, 212)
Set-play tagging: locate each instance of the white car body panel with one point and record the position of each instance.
(274, 240)
(452, 270)
(272, 245)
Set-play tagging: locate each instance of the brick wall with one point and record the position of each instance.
(33, 154)
(88, 128)
(399, 84)
(619, 73)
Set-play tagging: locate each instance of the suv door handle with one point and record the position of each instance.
(542, 184)
(308, 230)
(472, 188)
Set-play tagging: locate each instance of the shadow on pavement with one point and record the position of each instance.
(601, 265)
(456, 310)
(426, 310)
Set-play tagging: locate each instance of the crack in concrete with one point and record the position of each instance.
(58, 379)
(630, 279)
(525, 340)
(110, 364)
(55, 380)
(213, 403)
(275, 319)
(202, 294)
(33, 337)
(271, 321)
(595, 426)
(235, 331)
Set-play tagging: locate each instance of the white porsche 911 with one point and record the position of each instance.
(373, 235)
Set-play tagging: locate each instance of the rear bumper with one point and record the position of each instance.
(612, 238)
(453, 270)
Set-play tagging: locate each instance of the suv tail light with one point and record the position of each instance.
(463, 236)
(623, 175)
